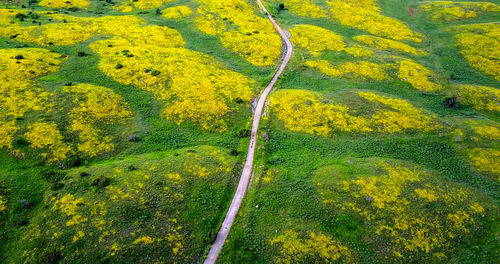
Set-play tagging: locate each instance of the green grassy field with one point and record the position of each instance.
(291, 200)
(200, 211)
(423, 192)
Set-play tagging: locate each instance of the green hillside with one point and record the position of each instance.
(124, 127)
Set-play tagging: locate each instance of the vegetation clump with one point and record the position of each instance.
(235, 23)
(402, 210)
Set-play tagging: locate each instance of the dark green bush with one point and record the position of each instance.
(50, 257)
(101, 181)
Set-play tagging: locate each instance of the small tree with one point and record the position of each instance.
(451, 102)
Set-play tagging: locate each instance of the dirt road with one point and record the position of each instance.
(245, 176)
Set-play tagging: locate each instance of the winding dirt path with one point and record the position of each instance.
(245, 176)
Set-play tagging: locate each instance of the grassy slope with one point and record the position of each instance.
(22, 177)
(198, 213)
(292, 201)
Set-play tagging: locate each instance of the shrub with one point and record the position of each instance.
(451, 102)
(57, 186)
(25, 204)
(244, 133)
(84, 174)
(52, 176)
(21, 141)
(101, 181)
(51, 257)
(134, 139)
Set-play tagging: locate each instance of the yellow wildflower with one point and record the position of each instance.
(240, 29)
(439, 11)
(360, 70)
(477, 43)
(84, 4)
(45, 135)
(387, 44)
(144, 239)
(293, 249)
(316, 39)
(479, 97)
(176, 12)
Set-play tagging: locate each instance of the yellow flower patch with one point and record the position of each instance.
(321, 247)
(79, 234)
(478, 43)
(399, 116)
(420, 77)
(146, 240)
(268, 176)
(365, 15)
(108, 219)
(477, 208)
(359, 51)
(491, 132)
(45, 135)
(395, 206)
(3, 204)
(149, 4)
(175, 177)
(485, 160)
(7, 131)
(240, 30)
(387, 44)
(68, 205)
(426, 194)
(439, 11)
(129, 5)
(46, 35)
(84, 4)
(316, 39)
(193, 86)
(305, 8)
(125, 7)
(193, 166)
(477, 96)
(18, 93)
(79, 29)
(352, 70)
(304, 111)
(95, 105)
(176, 12)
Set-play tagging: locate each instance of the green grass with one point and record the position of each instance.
(22, 177)
(198, 213)
(291, 199)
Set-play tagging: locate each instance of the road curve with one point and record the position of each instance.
(245, 176)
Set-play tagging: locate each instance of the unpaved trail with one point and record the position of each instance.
(245, 176)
